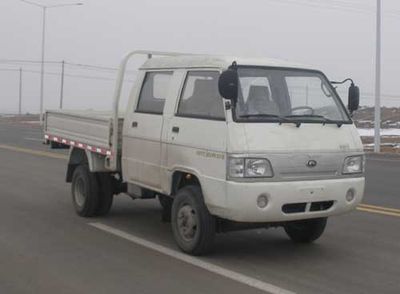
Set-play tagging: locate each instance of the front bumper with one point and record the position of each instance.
(241, 199)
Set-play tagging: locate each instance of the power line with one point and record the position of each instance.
(70, 64)
(18, 61)
(77, 76)
(8, 69)
(89, 66)
(338, 5)
(97, 67)
(67, 75)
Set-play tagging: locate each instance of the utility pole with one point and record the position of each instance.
(377, 140)
(42, 62)
(44, 12)
(20, 93)
(62, 84)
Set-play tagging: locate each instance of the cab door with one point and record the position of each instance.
(197, 133)
(142, 152)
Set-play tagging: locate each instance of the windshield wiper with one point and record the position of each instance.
(325, 119)
(281, 119)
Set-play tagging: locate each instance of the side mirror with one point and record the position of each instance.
(228, 84)
(354, 98)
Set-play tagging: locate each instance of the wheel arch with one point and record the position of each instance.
(77, 156)
(182, 178)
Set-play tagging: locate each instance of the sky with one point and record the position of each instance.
(336, 36)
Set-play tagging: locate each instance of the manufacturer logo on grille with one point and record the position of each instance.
(311, 163)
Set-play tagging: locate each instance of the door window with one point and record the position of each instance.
(200, 97)
(154, 92)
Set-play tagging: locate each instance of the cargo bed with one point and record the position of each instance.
(86, 129)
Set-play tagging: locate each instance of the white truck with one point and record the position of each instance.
(225, 143)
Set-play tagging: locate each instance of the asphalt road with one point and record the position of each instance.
(46, 248)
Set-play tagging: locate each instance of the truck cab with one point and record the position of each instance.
(230, 142)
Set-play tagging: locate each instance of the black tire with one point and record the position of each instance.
(106, 194)
(85, 191)
(192, 224)
(305, 231)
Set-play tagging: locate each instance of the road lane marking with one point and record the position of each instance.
(370, 210)
(243, 279)
(379, 208)
(33, 152)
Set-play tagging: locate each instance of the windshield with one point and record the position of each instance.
(295, 95)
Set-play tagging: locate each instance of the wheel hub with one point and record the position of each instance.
(79, 193)
(187, 222)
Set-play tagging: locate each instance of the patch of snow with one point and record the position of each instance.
(392, 145)
(33, 122)
(384, 132)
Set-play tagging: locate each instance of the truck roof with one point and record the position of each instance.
(211, 61)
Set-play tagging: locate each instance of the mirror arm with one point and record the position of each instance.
(342, 82)
(234, 65)
(354, 94)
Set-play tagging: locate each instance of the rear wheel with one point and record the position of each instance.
(305, 231)
(192, 224)
(85, 191)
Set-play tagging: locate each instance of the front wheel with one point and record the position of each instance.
(305, 231)
(192, 224)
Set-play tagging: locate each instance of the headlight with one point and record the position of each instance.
(249, 168)
(353, 165)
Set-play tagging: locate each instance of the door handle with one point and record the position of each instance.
(175, 129)
(134, 124)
